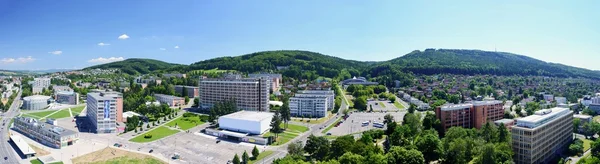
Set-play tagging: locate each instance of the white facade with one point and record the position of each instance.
(102, 111)
(308, 106)
(329, 94)
(41, 82)
(250, 122)
(561, 100)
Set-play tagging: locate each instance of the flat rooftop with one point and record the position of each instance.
(455, 107)
(582, 116)
(504, 121)
(249, 115)
(541, 117)
(22, 145)
(489, 102)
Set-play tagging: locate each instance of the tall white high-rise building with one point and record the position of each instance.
(104, 109)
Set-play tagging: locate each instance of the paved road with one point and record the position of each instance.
(6, 149)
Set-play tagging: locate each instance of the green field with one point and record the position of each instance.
(586, 144)
(185, 123)
(37, 161)
(129, 160)
(61, 114)
(290, 133)
(331, 126)
(156, 133)
(77, 110)
(260, 157)
(40, 114)
(398, 105)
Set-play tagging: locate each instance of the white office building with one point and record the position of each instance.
(248, 93)
(313, 107)
(540, 137)
(329, 94)
(102, 111)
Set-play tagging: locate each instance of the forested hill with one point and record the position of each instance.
(299, 62)
(471, 62)
(136, 66)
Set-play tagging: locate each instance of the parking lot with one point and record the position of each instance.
(354, 122)
(377, 107)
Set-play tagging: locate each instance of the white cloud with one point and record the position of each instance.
(17, 60)
(162, 49)
(123, 37)
(103, 44)
(106, 60)
(58, 52)
(176, 47)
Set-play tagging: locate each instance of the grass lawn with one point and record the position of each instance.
(290, 133)
(77, 110)
(32, 116)
(260, 156)
(295, 128)
(157, 133)
(61, 114)
(382, 104)
(349, 102)
(597, 118)
(37, 161)
(586, 144)
(185, 123)
(331, 126)
(40, 114)
(398, 105)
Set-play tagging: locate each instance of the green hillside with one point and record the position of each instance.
(472, 62)
(137, 66)
(311, 65)
(299, 63)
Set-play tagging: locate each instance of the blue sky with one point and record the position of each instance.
(49, 34)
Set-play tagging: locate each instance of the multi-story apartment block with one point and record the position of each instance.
(248, 93)
(274, 79)
(478, 113)
(170, 100)
(537, 138)
(487, 111)
(455, 115)
(41, 82)
(190, 92)
(308, 106)
(104, 109)
(46, 133)
(60, 88)
(329, 94)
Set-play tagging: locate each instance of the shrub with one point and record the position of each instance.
(148, 136)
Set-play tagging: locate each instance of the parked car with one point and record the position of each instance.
(218, 141)
(151, 150)
(328, 134)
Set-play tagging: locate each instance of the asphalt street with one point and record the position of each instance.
(8, 154)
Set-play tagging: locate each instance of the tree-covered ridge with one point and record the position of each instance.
(136, 66)
(470, 62)
(323, 65)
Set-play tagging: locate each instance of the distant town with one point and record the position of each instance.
(232, 117)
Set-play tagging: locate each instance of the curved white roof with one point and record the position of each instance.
(36, 97)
